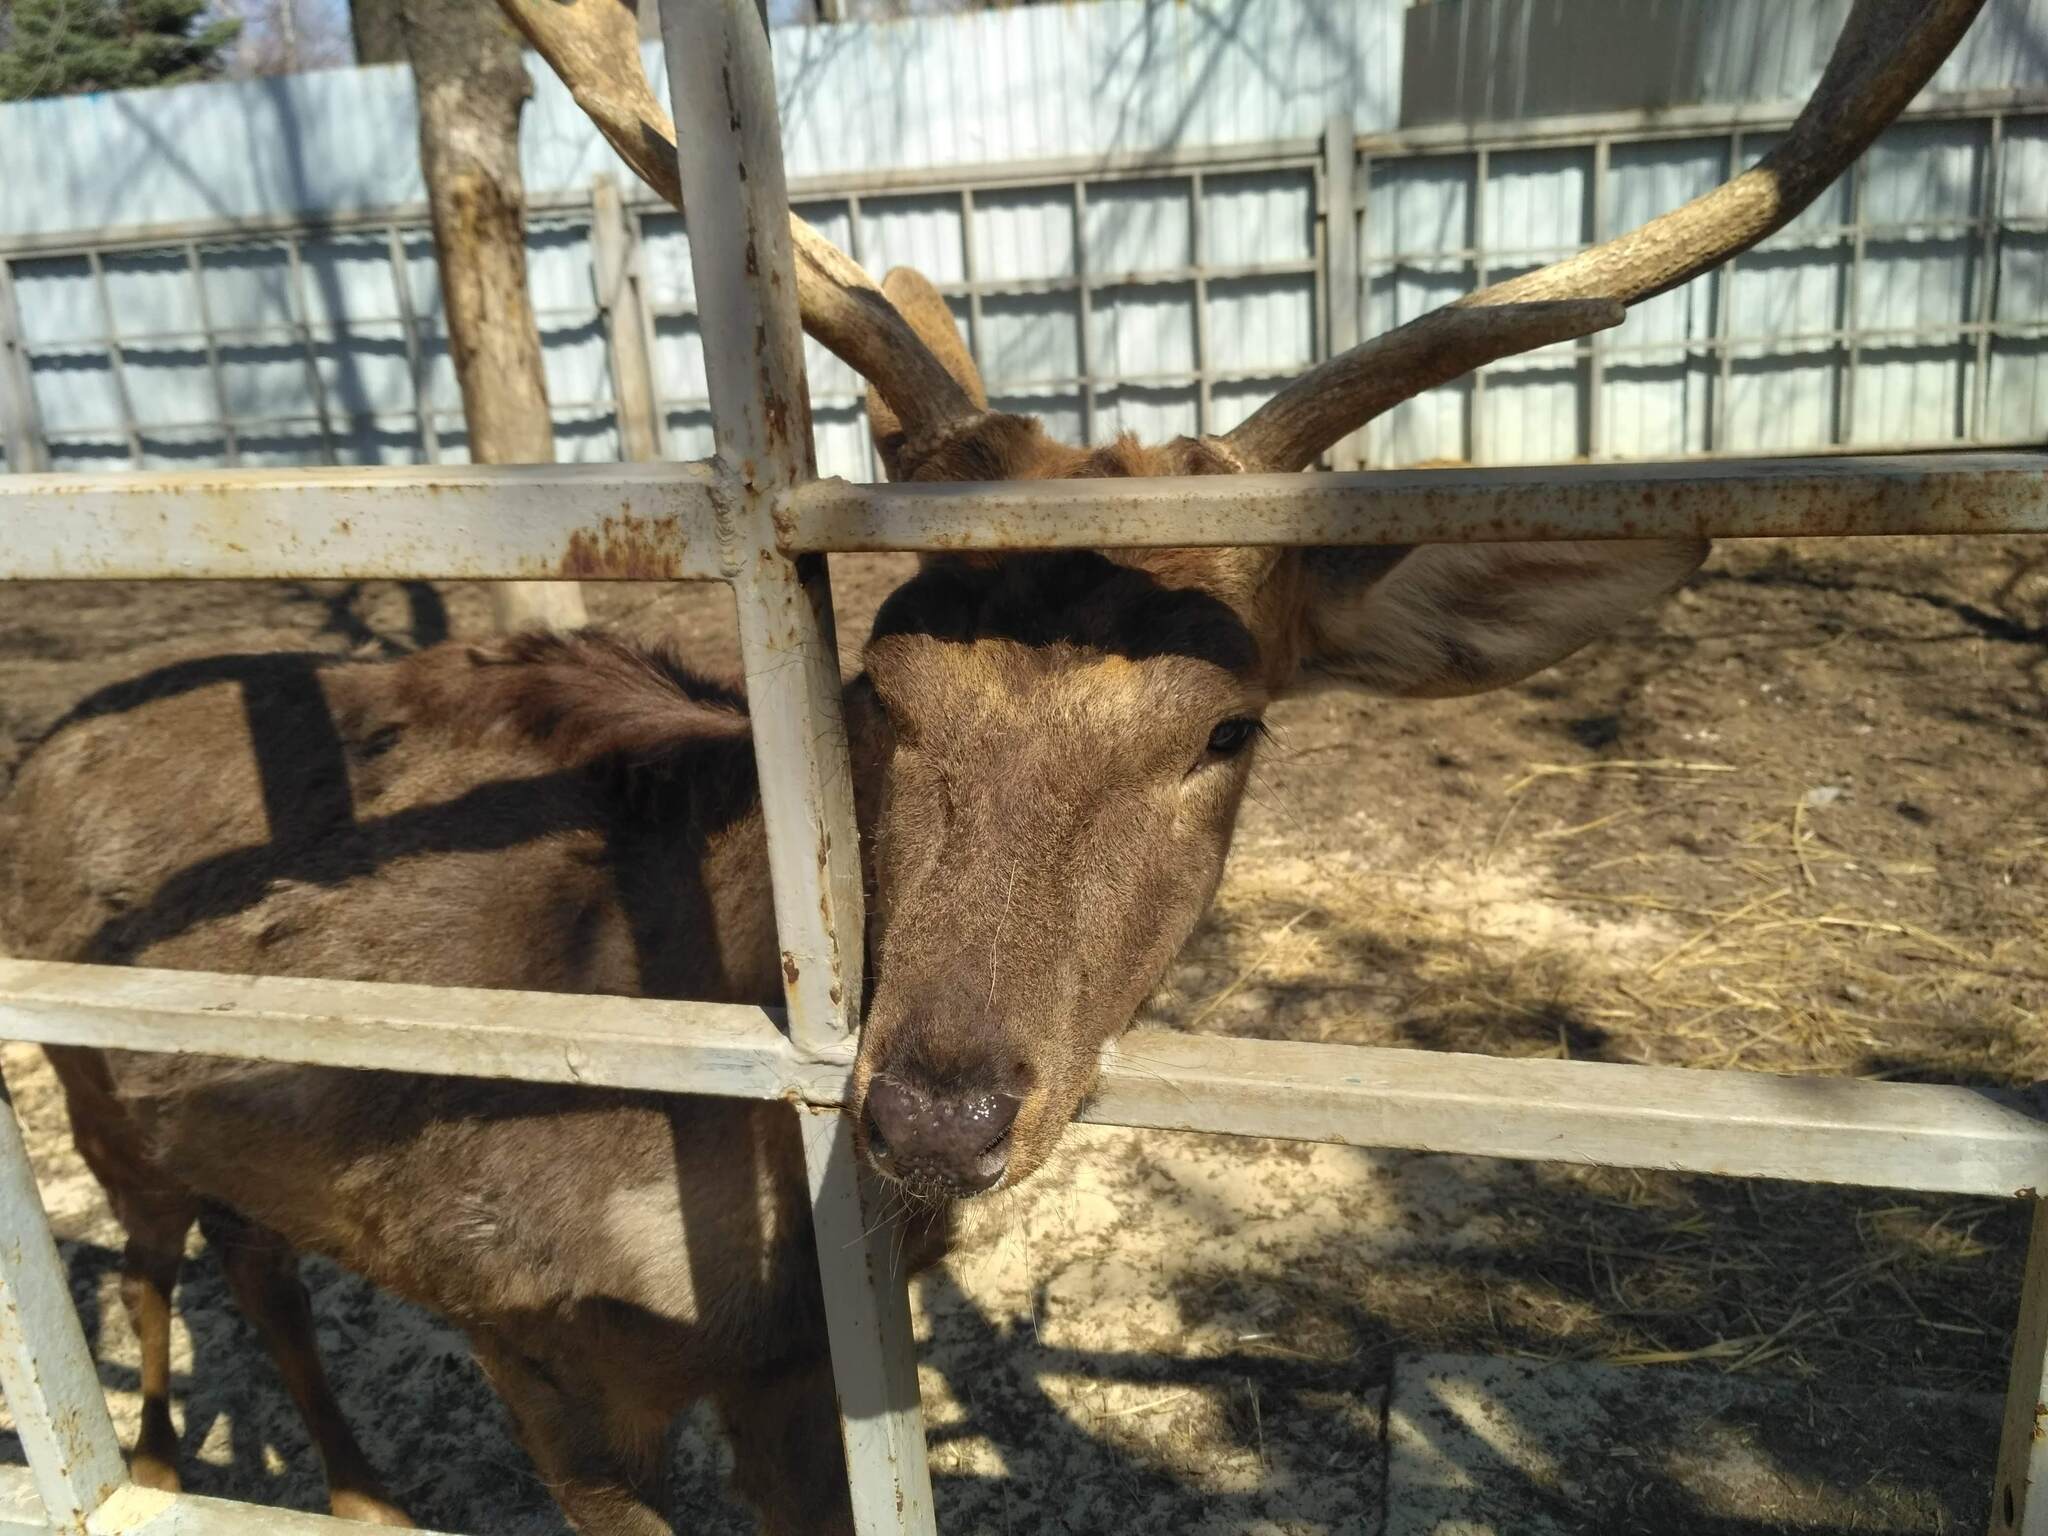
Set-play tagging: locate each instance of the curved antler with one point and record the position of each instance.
(594, 45)
(1888, 50)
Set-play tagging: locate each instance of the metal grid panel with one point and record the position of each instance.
(760, 520)
(1904, 262)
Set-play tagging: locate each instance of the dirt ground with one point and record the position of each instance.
(1795, 821)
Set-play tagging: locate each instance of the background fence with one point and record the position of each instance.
(1256, 208)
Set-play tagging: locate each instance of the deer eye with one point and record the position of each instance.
(1233, 736)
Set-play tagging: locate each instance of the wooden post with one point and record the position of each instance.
(616, 258)
(472, 84)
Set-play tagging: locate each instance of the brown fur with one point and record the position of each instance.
(1045, 816)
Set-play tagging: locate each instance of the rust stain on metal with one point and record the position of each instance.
(789, 970)
(627, 548)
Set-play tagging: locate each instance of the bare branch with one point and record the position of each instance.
(1889, 50)
(594, 45)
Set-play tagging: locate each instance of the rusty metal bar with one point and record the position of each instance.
(1849, 495)
(610, 522)
(591, 522)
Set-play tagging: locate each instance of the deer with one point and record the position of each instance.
(1048, 749)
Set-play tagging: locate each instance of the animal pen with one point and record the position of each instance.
(755, 518)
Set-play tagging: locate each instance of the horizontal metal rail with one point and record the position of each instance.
(136, 1511)
(1860, 495)
(656, 522)
(1745, 1124)
(593, 522)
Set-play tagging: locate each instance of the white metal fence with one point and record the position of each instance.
(707, 519)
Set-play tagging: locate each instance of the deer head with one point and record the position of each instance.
(1051, 748)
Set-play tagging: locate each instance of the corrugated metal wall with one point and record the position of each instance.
(293, 316)
(1904, 308)
(1471, 61)
(991, 87)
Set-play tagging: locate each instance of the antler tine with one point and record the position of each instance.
(1888, 50)
(594, 45)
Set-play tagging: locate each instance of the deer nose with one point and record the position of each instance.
(961, 1140)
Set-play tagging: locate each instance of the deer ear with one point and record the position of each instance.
(1439, 620)
(925, 308)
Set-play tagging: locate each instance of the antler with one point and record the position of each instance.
(594, 45)
(1888, 50)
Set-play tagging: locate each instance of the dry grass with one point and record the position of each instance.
(1769, 928)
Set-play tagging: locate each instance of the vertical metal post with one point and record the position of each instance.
(1085, 350)
(753, 361)
(1198, 248)
(615, 259)
(1852, 308)
(231, 447)
(1724, 294)
(19, 419)
(302, 322)
(2019, 1498)
(874, 463)
(1340, 242)
(1987, 275)
(722, 83)
(1475, 426)
(1596, 356)
(110, 338)
(415, 347)
(648, 347)
(970, 270)
(868, 1317)
(47, 1370)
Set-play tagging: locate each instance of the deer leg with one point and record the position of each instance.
(788, 1461)
(149, 1276)
(607, 1472)
(263, 1272)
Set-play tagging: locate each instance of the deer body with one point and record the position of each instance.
(573, 816)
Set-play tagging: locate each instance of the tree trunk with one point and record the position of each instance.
(472, 86)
